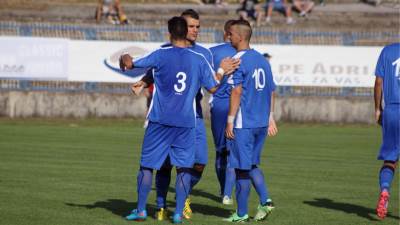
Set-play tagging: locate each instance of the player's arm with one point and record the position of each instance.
(272, 128)
(226, 67)
(234, 103)
(145, 82)
(378, 99)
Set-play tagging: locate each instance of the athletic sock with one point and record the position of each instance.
(144, 180)
(163, 179)
(385, 178)
(242, 191)
(182, 187)
(195, 178)
(230, 179)
(220, 169)
(257, 178)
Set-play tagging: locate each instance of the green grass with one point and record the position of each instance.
(84, 172)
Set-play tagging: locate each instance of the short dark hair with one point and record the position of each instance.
(190, 13)
(228, 25)
(245, 27)
(177, 27)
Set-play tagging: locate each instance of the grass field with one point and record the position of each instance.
(83, 172)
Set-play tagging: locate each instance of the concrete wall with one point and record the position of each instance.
(16, 104)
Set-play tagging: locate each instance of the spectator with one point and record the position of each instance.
(267, 56)
(303, 6)
(112, 10)
(281, 6)
(250, 9)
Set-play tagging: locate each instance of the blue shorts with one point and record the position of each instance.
(219, 113)
(161, 141)
(390, 148)
(201, 155)
(246, 148)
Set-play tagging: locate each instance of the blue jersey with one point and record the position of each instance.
(220, 52)
(388, 67)
(255, 76)
(178, 75)
(209, 57)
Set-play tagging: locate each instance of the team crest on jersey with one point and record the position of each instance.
(112, 62)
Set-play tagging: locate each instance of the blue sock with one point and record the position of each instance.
(144, 180)
(182, 187)
(195, 178)
(220, 169)
(163, 179)
(230, 179)
(242, 191)
(257, 178)
(385, 177)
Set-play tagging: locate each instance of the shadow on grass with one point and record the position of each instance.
(122, 208)
(199, 193)
(118, 207)
(361, 211)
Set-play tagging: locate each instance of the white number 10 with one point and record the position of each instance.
(259, 78)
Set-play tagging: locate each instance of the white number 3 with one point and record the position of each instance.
(181, 86)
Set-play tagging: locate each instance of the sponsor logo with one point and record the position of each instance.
(113, 62)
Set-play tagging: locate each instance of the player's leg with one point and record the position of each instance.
(163, 179)
(220, 170)
(201, 154)
(144, 180)
(240, 158)
(155, 149)
(386, 175)
(257, 176)
(182, 156)
(389, 152)
(230, 180)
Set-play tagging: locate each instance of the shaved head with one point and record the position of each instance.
(243, 28)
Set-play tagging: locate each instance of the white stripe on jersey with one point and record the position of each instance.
(194, 110)
(212, 57)
(237, 56)
(209, 66)
(239, 121)
(152, 99)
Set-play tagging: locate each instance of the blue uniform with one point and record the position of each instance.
(219, 103)
(178, 75)
(388, 68)
(201, 156)
(251, 121)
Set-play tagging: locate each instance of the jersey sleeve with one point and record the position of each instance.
(380, 65)
(270, 78)
(207, 75)
(238, 76)
(150, 60)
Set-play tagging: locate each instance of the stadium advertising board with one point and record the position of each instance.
(97, 61)
(33, 58)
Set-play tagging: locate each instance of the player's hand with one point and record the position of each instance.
(137, 87)
(125, 62)
(272, 128)
(378, 117)
(229, 131)
(229, 65)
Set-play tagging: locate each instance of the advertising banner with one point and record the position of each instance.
(97, 61)
(34, 58)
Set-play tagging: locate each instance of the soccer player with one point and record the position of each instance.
(178, 74)
(163, 175)
(219, 106)
(387, 114)
(248, 122)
